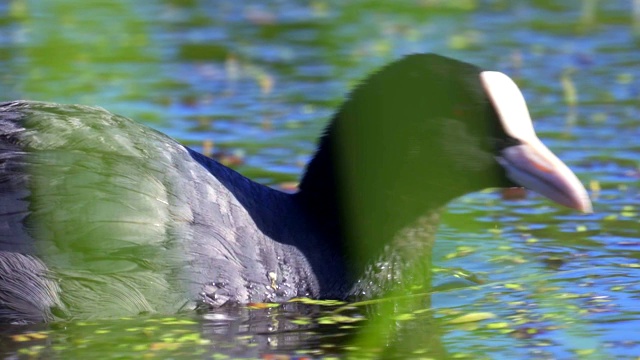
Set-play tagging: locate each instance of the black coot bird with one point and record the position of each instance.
(101, 216)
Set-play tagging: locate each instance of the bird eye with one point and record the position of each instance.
(502, 143)
(459, 110)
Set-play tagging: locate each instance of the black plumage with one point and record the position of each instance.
(101, 216)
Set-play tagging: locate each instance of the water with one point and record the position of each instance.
(261, 79)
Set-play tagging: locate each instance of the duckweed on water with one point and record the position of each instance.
(472, 317)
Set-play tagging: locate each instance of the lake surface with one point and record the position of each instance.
(514, 279)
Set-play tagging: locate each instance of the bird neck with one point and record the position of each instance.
(366, 205)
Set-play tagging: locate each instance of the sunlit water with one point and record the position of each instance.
(534, 280)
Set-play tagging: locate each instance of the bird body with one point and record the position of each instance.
(118, 218)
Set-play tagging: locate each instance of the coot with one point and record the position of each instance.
(101, 216)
